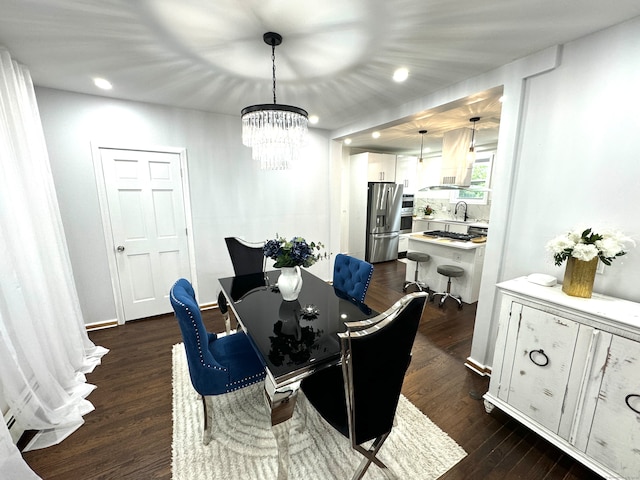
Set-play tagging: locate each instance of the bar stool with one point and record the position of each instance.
(419, 258)
(449, 271)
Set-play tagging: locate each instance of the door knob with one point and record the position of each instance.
(120, 248)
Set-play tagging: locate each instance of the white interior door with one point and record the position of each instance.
(147, 215)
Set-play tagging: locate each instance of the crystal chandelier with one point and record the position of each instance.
(275, 132)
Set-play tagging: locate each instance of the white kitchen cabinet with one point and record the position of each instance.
(403, 243)
(406, 173)
(381, 167)
(457, 227)
(426, 224)
(569, 368)
(421, 225)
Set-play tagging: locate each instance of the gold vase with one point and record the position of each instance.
(579, 277)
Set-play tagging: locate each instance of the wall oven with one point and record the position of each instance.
(406, 213)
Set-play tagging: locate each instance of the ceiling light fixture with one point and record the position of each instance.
(421, 132)
(275, 132)
(472, 147)
(375, 134)
(102, 83)
(401, 74)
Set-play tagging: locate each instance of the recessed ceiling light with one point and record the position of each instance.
(102, 83)
(347, 141)
(375, 134)
(313, 119)
(501, 99)
(401, 74)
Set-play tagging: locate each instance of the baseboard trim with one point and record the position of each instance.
(478, 368)
(101, 325)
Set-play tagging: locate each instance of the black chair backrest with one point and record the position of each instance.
(375, 361)
(246, 257)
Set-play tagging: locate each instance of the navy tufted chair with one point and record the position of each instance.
(352, 276)
(217, 365)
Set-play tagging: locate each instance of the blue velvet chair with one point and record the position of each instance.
(359, 397)
(217, 365)
(246, 258)
(352, 276)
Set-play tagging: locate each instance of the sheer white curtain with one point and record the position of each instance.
(44, 347)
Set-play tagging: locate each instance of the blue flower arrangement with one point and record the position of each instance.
(292, 253)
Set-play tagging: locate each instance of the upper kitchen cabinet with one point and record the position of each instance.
(406, 173)
(381, 167)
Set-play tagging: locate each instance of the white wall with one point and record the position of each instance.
(566, 155)
(579, 161)
(575, 162)
(230, 195)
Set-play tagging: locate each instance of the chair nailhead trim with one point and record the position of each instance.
(198, 339)
(238, 384)
(367, 285)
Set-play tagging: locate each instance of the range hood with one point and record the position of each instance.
(457, 165)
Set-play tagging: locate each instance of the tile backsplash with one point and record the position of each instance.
(444, 209)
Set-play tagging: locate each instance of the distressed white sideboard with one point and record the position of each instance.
(569, 369)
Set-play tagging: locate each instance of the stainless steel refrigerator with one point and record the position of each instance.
(384, 201)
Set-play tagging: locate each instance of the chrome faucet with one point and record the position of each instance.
(460, 204)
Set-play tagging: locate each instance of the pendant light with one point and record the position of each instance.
(421, 132)
(471, 157)
(275, 132)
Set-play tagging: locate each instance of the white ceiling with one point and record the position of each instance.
(336, 59)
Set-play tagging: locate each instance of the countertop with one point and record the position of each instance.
(446, 242)
(469, 223)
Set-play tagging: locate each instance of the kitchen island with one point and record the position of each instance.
(468, 255)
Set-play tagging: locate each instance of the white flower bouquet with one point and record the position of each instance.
(586, 245)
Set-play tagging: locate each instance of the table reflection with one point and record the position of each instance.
(295, 338)
(288, 341)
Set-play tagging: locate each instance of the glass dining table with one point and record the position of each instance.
(293, 338)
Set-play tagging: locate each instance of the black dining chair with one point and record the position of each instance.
(246, 258)
(217, 365)
(360, 397)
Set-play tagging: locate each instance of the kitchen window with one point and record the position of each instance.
(480, 178)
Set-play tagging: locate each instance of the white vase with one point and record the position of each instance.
(290, 282)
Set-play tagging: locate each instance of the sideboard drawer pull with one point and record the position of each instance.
(629, 397)
(539, 353)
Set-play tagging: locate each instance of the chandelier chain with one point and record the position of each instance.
(273, 62)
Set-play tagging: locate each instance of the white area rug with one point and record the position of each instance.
(243, 447)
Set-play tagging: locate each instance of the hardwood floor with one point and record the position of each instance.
(128, 436)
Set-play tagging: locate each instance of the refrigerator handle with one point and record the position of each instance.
(386, 235)
(381, 220)
(387, 192)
